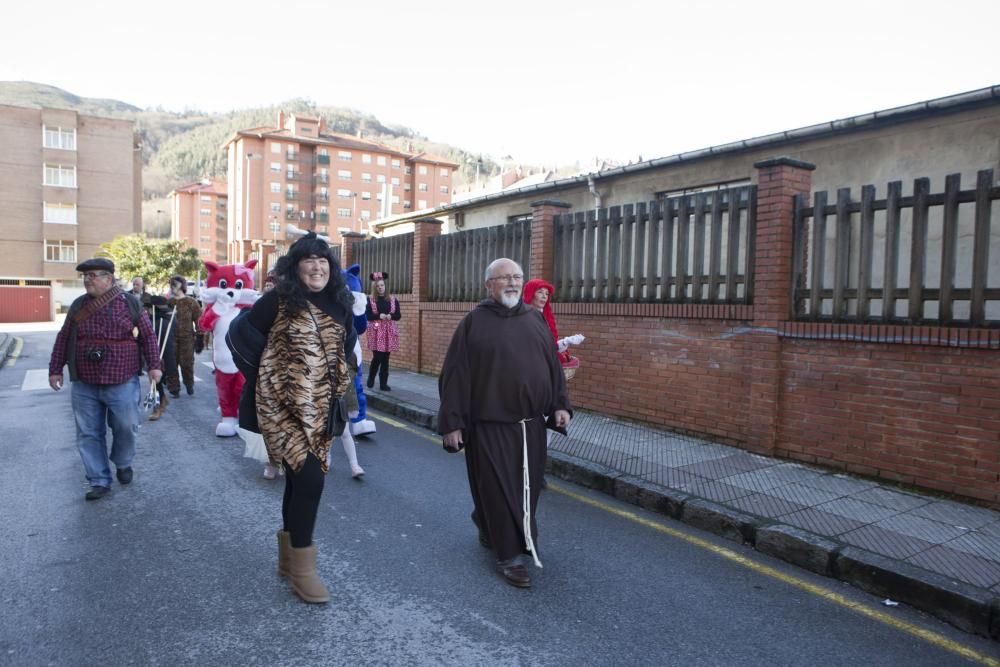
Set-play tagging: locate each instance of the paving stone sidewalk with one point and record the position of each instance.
(935, 554)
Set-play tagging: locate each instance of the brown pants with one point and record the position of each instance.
(185, 359)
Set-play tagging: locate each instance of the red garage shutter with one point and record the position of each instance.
(25, 304)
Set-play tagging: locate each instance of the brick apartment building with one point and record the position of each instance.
(198, 217)
(300, 173)
(68, 183)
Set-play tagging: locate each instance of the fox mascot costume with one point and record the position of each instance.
(229, 289)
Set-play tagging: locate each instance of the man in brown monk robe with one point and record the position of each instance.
(501, 378)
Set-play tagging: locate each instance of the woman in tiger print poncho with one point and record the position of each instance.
(308, 323)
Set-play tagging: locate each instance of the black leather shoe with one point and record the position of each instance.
(190, 391)
(483, 537)
(175, 394)
(124, 475)
(385, 387)
(97, 492)
(514, 573)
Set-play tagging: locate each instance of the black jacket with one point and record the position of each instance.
(247, 345)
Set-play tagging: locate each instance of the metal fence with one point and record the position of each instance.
(695, 248)
(458, 261)
(392, 255)
(916, 259)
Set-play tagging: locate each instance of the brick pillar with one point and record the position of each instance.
(347, 241)
(778, 181)
(542, 260)
(423, 230)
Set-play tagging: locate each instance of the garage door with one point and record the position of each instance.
(25, 301)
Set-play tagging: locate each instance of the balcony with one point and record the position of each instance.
(322, 159)
(291, 215)
(322, 178)
(293, 175)
(324, 217)
(322, 197)
(291, 196)
(292, 156)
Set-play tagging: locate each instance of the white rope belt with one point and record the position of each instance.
(526, 496)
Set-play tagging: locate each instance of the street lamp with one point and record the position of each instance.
(246, 208)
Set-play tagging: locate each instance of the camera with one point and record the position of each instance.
(95, 353)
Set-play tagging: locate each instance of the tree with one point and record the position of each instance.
(155, 261)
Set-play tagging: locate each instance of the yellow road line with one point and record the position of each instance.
(12, 357)
(819, 591)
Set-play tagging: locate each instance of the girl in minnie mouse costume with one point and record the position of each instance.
(383, 335)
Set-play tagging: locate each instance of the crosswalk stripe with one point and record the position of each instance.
(34, 379)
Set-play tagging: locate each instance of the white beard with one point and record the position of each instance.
(510, 300)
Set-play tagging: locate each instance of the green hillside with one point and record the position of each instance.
(180, 147)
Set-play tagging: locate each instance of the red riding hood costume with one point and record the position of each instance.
(530, 288)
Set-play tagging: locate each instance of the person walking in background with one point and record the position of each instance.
(538, 294)
(102, 342)
(165, 327)
(501, 377)
(188, 311)
(292, 347)
(383, 334)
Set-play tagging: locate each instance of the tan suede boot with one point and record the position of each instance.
(302, 573)
(284, 544)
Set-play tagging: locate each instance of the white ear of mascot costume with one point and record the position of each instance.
(229, 289)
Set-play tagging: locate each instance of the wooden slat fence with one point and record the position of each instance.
(916, 259)
(695, 248)
(393, 254)
(457, 261)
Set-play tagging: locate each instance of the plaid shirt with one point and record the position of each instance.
(110, 330)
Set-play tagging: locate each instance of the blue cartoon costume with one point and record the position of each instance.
(360, 424)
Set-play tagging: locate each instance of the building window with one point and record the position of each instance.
(395, 199)
(346, 156)
(60, 251)
(396, 164)
(422, 187)
(366, 178)
(422, 170)
(275, 187)
(366, 215)
(205, 225)
(366, 158)
(60, 214)
(407, 204)
(276, 167)
(276, 148)
(378, 196)
(409, 170)
(60, 176)
(344, 175)
(421, 204)
(380, 160)
(444, 189)
(343, 193)
(59, 137)
(275, 207)
(395, 181)
(380, 178)
(205, 198)
(343, 212)
(407, 187)
(366, 196)
(444, 173)
(205, 211)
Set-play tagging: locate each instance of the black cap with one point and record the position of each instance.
(96, 264)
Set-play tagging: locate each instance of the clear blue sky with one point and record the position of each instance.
(548, 81)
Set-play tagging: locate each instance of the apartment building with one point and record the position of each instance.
(300, 173)
(68, 183)
(198, 217)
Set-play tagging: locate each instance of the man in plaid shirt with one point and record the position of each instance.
(101, 345)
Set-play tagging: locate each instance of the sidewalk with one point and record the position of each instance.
(940, 556)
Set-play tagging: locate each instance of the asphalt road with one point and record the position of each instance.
(178, 568)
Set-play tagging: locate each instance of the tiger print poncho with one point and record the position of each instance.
(302, 364)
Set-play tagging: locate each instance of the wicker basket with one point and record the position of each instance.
(570, 367)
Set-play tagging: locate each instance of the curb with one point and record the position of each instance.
(962, 605)
(6, 342)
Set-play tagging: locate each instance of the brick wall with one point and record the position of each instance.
(915, 405)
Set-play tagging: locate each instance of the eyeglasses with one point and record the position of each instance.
(92, 275)
(516, 278)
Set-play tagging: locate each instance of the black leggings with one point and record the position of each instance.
(380, 365)
(303, 490)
